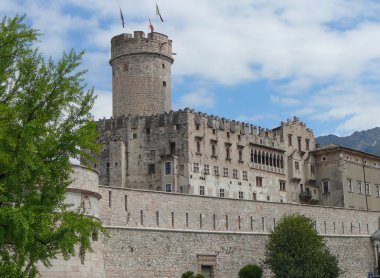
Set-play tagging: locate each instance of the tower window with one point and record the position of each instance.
(164, 83)
(163, 66)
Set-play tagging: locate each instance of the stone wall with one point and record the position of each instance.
(157, 234)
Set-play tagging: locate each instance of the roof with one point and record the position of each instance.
(335, 147)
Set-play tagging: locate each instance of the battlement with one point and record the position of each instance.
(128, 44)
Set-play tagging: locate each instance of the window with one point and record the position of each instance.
(312, 169)
(299, 143)
(360, 187)
(241, 195)
(290, 143)
(163, 66)
(245, 175)
(240, 155)
(148, 131)
(168, 187)
(254, 196)
(151, 169)
(301, 187)
(307, 141)
(324, 158)
(125, 67)
(168, 168)
(282, 185)
(198, 146)
(197, 127)
(213, 150)
(164, 83)
(252, 153)
(201, 190)
(196, 168)
(228, 153)
(206, 169)
(216, 170)
(172, 148)
(225, 172)
(221, 193)
(259, 181)
(349, 185)
(367, 189)
(296, 165)
(234, 174)
(325, 187)
(134, 135)
(377, 190)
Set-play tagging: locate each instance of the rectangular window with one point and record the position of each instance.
(282, 185)
(296, 165)
(168, 168)
(221, 193)
(254, 196)
(307, 141)
(245, 175)
(312, 169)
(198, 144)
(325, 187)
(377, 190)
(259, 181)
(299, 143)
(216, 170)
(225, 172)
(241, 195)
(349, 185)
(360, 187)
(168, 187)
(151, 169)
(206, 169)
(367, 189)
(235, 173)
(196, 168)
(290, 143)
(228, 153)
(201, 190)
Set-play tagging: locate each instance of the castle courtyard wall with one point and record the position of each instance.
(157, 234)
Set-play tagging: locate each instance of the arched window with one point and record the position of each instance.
(259, 158)
(262, 157)
(228, 153)
(252, 155)
(270, 160)
(282, 162)
(266, 159)
(278, 161)
(255, 157)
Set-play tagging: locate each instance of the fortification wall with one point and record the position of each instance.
(157, 234)
(145, 253)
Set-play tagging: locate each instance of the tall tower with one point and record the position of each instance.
(141, 73)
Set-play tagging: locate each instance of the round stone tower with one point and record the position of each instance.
(141, 73)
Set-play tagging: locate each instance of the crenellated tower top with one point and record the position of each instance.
(141, 73)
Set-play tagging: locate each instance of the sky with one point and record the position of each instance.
(256, 61)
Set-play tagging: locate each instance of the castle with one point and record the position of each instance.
(183, 190)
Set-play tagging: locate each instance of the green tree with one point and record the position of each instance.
(251, 271)
(190, 274)
(295, 250)
(44, 121)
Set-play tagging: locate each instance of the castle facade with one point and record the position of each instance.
(183, 190)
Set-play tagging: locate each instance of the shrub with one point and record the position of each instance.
(251, 271)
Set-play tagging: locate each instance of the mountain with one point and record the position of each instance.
(366, 140)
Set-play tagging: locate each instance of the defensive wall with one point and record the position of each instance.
(158, 234)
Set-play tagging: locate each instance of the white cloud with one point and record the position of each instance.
(197, 99)
(103, 105)
(285, 101)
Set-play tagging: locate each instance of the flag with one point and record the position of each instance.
(158, 13)
(151, 26)
(122, 17)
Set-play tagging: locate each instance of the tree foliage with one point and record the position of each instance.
(295, 250)
(190, 274)
(44, 121)
(250, 271)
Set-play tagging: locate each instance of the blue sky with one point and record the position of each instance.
(258, 61)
